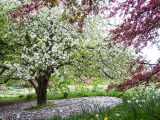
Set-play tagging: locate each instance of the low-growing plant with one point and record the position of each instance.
(30, 96)
(114, 93)
(144, 105)
(139, 104)
(65, 95)
(85, 115)
(21, 96)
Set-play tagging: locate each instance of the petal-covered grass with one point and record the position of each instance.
(143, 104)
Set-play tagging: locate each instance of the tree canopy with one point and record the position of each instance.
(48, 42)
(141, 22)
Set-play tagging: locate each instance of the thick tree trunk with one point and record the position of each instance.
(42, 91)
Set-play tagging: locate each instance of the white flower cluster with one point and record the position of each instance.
(9, 5)
(50, 41)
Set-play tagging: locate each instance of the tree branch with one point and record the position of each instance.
(33, 84)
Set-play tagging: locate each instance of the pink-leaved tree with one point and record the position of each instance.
(141, 22)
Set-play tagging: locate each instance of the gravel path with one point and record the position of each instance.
(62, 107)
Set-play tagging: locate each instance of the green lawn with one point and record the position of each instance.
(54, 95)
(137, 104)
(133, 108)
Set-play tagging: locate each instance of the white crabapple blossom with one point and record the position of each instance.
(51, 43)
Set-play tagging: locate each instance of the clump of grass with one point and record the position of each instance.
(21, 96)
(114, 93)
(75, 94)
(144, 104)
(96, 114)
(65, 95)
(30, 96)
(11, 99)
(36, 107)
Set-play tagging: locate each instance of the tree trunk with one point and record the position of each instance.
(42, 91)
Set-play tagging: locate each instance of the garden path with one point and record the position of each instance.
(63, 107)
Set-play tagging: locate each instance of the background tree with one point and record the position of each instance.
(8, 48)
(98, 60)
(139, 27)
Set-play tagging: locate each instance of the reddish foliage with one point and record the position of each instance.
(142, 19)
(25, 9)
(80, 12)
(140, 75)
(141, 23)
(76, 16)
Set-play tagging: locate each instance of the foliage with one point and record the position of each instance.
(145, 104)
(75, 94)
(21, 96)
(49, 43)
(8, 49)
(91, 42)
(97, 61)
(50, 46)
(139, 27)
(85, 115)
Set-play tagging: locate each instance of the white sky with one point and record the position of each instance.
(151, 53)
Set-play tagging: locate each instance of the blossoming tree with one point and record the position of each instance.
(140, 26)
(8, 48)
(50, 43)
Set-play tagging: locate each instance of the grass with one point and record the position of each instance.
(126, 111)
(109, 114)
(36, 107)
(56, 95)
(18, 98)
(137, 105)
(82, 93)
(114, 93)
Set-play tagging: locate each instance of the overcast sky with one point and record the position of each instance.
(151, 53)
